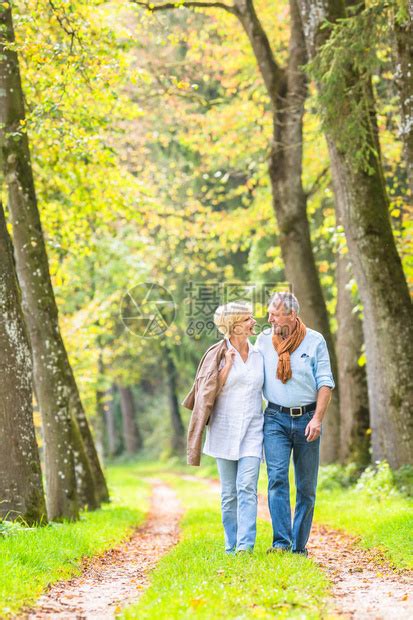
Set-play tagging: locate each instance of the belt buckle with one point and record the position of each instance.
(296, 415)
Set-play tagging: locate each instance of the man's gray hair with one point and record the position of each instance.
(288, 300)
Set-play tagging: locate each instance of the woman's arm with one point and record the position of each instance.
(225, 370)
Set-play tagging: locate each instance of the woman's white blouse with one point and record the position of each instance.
(235, 428)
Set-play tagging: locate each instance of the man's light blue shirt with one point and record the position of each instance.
(310, 366)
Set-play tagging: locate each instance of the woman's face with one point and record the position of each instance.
(244, 327)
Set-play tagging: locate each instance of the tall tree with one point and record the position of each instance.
(113, 441)
(21, 489)
(178, 430)
(53, 377)
(131, 433)
(287, 90)
(348, 109)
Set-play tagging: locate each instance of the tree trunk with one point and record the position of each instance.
(102, 401)
(178, 430)
(403, 32)
(362, 205)
(86, 490)
(354, 406)
(131, 434)
(54, 382)
(78, 413)
(287, 89)
(112, 435)
(21, 489)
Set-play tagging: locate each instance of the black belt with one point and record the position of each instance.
(295, 412)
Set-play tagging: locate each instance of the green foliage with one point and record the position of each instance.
(343, 68)
(11, 528)
(336, 476)
(377, 482)
(403, 479)
(150, 138)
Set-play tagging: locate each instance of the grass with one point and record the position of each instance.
(197, 579)
(30, 559)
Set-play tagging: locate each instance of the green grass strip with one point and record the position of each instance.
(198, 580)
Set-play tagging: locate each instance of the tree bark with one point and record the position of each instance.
(354, 405)
(85, 487)
(21, 488)
(78, 413)
(362, 205)
(131, 434)
(178, 430)
(55, 387)
(102, 402)
(403, 33)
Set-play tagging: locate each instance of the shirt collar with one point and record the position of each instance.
(231, 346)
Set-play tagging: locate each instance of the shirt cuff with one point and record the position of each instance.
(326, 383)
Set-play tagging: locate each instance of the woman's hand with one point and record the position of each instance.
(230, 356)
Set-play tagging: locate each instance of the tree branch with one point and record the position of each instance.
(187, 3)
(317, 183)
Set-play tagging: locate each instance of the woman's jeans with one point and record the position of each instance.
(284, 434)
(239, 481)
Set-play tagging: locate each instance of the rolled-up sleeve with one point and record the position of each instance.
(322, 370)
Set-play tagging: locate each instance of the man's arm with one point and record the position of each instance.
(313, 428)
(325, 385)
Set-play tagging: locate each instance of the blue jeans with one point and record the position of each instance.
(239, 481)
(284, 434)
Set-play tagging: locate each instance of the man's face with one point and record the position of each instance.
(282, 323)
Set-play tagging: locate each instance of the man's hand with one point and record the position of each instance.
(313, 429)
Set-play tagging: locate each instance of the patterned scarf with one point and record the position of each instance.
(285, 346)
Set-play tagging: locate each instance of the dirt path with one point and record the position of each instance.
(116, 578)
(365, 586)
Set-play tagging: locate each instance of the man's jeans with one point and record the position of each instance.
(239, 481)
(283, 434)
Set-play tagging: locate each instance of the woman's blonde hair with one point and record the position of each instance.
(228, 315)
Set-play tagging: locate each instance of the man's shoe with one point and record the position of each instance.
(304, 552)
(277, 550)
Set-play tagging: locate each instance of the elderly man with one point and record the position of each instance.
(297, 385)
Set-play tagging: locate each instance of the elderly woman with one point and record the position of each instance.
(235, 428)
